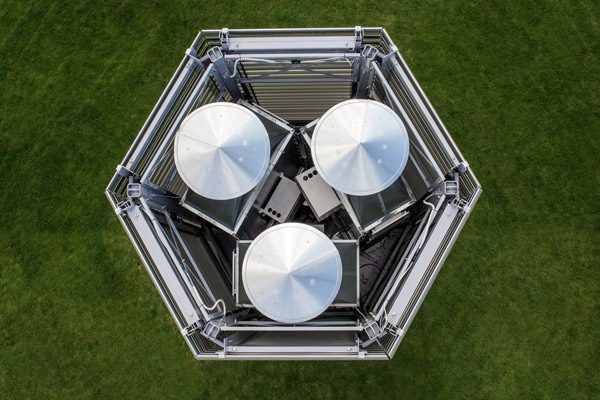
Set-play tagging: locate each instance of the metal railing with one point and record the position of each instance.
(297, 74)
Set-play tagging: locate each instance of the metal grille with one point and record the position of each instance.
(299, 92)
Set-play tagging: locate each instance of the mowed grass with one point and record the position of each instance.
(514, 312)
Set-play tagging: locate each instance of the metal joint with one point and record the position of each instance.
(462, 204)
(194, 59)
(358, 37)
(393, 51)
(364, 73)
(451, 188)
(224, 73)
(373, 331)
(388, 59)
(134, 190)
(122, 207)
(462, 167)
(124, 171)
(192, 53)
(224, 38)
(210, 331)
(214, 54)
(369, 52)
(192, 328)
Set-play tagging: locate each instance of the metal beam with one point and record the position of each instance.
(364, 73)
(224, 73)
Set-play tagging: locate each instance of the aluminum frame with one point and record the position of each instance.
(352, 62)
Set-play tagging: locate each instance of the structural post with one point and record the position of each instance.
(363, 73)
(224, 73)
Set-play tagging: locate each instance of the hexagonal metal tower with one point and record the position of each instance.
(388, 246)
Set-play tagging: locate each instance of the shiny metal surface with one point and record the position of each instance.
(360, 147)
(191, 267)
(292, 272)
(221, 151)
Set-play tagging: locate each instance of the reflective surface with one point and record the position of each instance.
(360, 147)
(221, 151)
(292, 272)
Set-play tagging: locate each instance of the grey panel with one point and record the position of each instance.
(284, 200)
(318, 194)
(226, 212)
(370, 208)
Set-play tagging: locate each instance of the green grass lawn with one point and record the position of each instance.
(515, 311)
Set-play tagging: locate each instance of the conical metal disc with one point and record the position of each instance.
(292, 272)
(222, 150)
(360, 147)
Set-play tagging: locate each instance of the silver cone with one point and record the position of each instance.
(221, 151)
(292, 272)
(360, 147)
